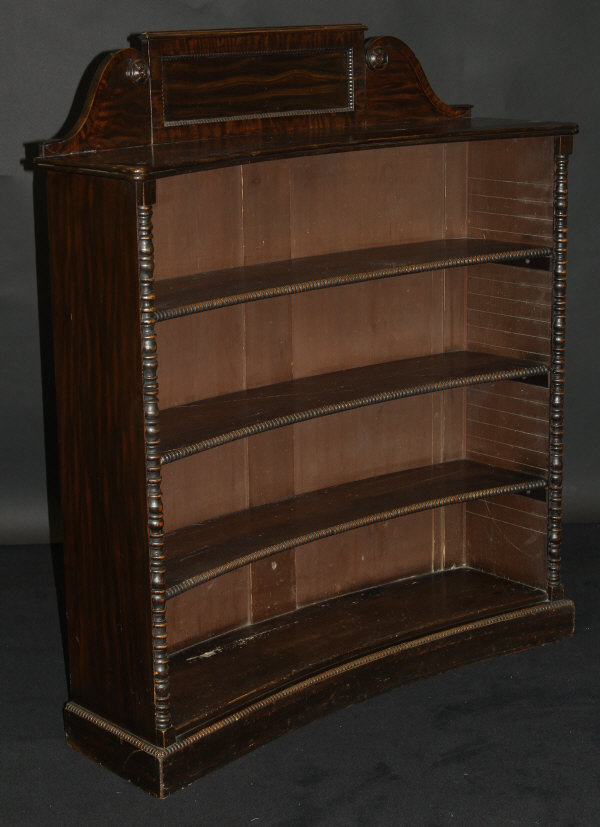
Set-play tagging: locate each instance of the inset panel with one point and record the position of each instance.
(216, 87)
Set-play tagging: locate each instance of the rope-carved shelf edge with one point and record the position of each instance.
(326, 410)
(211, 574)
(506, 257)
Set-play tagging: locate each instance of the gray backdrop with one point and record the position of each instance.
(534, 59)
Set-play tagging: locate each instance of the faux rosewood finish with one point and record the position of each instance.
(239, 87)
(183, 296)
(98, 368)
(200, 553)
(116, 111)
(219, 84)
(141, 162)
(223, 674)
(192, 100)
(162, 771)
(397, 87)
(199, 426)
(228, 577)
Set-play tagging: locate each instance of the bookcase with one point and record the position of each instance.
(309, 357)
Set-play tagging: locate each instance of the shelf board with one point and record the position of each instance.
(199, 553)
(208, 291)
(156, 160)
(199, 426)
(218, 677)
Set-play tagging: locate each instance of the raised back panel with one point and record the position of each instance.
(210, 84)
(225, 87)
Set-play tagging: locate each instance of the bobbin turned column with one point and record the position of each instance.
(563, 148)
(146, 197)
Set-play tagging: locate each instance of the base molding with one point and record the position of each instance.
(162, 770)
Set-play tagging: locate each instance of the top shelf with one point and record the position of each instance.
(148, 161)
(197, 293)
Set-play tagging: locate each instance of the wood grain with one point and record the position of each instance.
(97, 352)
(198, 426)
(205, 551)
(220, 676)
(189, 156)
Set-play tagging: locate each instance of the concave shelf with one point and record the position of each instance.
(202, 552)
(199, 426)
(223, 675)
(221, 288)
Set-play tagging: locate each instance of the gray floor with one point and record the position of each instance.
(511, 741)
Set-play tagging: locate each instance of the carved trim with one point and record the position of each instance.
(341, 528)
(376, 57)
(352, 278)
(153, 475)
(557, 374)
(326, 410)
(321, 677)
(138, 72)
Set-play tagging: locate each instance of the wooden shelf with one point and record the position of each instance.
(219, 677)
(152, 160)
(190, 429)
(210, 549)
(222, 288)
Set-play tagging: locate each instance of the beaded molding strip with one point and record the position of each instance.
(341, 528)
(349, 278)
(326, 410)
(153, 478)
(161, 753)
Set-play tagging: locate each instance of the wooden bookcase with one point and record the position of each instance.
(309, 349)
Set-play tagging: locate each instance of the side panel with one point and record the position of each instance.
(95, 297)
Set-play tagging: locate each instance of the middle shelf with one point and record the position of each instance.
(202, 552)
(200, 292)
(189, 429)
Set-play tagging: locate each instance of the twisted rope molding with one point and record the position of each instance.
(153, 475)
(341, 528)
(557, 373)
(348, 278)
(325, 410)
(161, 753)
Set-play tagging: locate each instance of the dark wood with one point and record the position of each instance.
(196, 293)
(256, 80)
(217, 677)
(116, 111)
(209, 748)
(208, 550)
(214, 87)
(188, 429)
(97, 347)
(191, 156)
(397, 86)
(229, 578)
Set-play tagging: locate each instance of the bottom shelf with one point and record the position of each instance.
(218, 677)
(240, 690)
